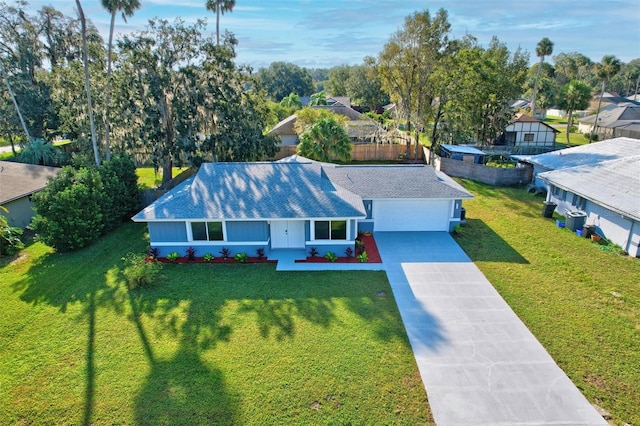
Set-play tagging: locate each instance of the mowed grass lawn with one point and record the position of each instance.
(582, 303)
(210, 344)
(149, 177)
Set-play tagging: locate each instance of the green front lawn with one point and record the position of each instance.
(210, 344)
(580, 301)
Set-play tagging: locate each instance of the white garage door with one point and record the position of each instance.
(411, 215)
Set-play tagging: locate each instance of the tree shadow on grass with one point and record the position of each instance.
(483, 244)
(278, 317)
(182, 389)
(183, 386)
(44, 285)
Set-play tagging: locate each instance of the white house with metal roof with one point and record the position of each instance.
(608, 192)
(298, 203)
(582, 155)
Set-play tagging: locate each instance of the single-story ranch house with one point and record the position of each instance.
(360, 128)
(607, 192)
(614, 120)
(582, 155)
(298, 203)
(18, 182)
(599, 179)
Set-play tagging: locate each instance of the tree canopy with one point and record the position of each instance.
(282, 78)
(407, 62)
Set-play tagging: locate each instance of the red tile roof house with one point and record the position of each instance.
(298, 203)
(18, 182)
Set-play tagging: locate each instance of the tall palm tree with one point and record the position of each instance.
(113, 6)
(606, 69)
(574, 96)
(544, 48)
(87, 85)
(219, 7)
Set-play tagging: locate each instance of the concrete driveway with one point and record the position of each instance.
(479, 363)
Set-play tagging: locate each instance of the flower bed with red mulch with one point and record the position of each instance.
(369, 246)
(215, 260)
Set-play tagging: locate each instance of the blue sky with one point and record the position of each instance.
(325, 33)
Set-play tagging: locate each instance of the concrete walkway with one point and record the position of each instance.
(287, 262)
(479, 363)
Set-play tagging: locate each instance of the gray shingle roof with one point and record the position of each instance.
(18, 180)
(612, 114)
(255, 191)
(294, 187)
(393, 181)
(614, 184)
(390, 181)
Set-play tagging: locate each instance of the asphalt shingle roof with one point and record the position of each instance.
(596, 182)
(294, 187)
(18, 180)
(393, 181)
(255, 191)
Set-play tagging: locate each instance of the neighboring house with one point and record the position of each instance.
(608, 193)
(342, 100)
(528, 132)
(582, 155)
(610, 99)
(298, 203)
(464, 153)
(331, 100)
(360, 128)
(18, 182)
(614, 120)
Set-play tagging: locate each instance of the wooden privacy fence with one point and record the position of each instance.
(364, 152)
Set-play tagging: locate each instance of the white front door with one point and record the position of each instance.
(287, 234)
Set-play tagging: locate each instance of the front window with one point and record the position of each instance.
(330, 229)
(207, 231)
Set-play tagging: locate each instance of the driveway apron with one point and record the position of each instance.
(479, 363)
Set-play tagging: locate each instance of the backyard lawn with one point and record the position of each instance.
(209, 344)
(580, 301)
(150, 177)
